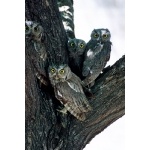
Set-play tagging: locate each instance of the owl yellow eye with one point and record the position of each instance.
(72, 44)
(62, 71)
(81, 45)
(53, 70)
(96, 35)
(105, 36)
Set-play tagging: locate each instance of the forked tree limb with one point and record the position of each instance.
(108, 106)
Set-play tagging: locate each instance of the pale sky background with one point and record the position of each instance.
(90, 14)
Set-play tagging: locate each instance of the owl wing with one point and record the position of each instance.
(74, 100)
(103, 57)
(40, 48)
(100, 61)
(92, 48)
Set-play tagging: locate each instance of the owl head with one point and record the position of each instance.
(101, 35)
(59, 73)
(76, 47)
(34, 30)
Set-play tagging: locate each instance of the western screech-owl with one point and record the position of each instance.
(76, 49)
(68, 90)
(96, 55)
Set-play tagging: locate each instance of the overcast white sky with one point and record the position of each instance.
(90, 14)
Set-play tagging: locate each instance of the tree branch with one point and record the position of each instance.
(67, 13)
(108, 106)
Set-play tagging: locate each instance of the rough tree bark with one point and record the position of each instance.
(45, 127)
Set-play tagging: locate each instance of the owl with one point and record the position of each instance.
(68, 90)
(35, 32)
(96, 55)
(76, 48)
(40, 48)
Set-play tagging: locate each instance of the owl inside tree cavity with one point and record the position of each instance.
(96, 55)
(76, 48)
(68, 90)
(35, 32)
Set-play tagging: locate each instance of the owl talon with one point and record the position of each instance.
(63, 111)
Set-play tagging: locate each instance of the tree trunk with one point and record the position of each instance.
(45, 127)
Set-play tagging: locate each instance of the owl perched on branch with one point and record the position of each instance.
(76, 49)
(68, 90)
(96, 55)
(35, 32)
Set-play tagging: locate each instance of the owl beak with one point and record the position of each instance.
(100, 40)
(56, 78)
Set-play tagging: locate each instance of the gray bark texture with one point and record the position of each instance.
(45, 127)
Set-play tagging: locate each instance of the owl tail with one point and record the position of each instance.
(81, 116)
(85, 82)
